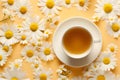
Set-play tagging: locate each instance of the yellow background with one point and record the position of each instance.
(64, 14)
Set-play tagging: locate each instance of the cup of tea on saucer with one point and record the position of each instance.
(77, 42)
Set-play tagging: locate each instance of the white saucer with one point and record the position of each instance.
(57, 40)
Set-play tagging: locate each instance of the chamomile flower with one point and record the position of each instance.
(93, 67)
(107, 61)
(100, 75)
(68, 3)
(29, 53)
(82, 4)
(22, 8)
(50, 7)
(3, 57)
(8, 14)
(47, 33)
(46, 52)
(14, 74)
(8, 35)
(43, 74)
(114, 28)
(90, 69)
(96, 18)
(22, 38)
(16, 64)
(107, 8)
(33, 27)
(112, 48)
(53, 20)
(7, 49)
(36, 64)
(9, 4)
(63, 72)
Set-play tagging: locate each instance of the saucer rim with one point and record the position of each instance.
(58, 27)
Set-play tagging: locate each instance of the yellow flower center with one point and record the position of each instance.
(36, 65)
(67, 2)
(82, 2)
(30, 53)
(43, 76)
(5, 48)
(96, 18)
(34, 27)
(19, 26)
(50, 4)
(23, 10)
(10, 2)
(23, 37)
(101, 77)
(108, 7)
(115, 27)
(106, 60)
(47, 51)
(46, 32)
(1, 57)
(8, 34)
(49, 20)
(56, 22)
(14, 78)
(16, 65)
(112, 49)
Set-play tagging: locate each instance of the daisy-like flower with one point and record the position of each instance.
(14, 74)
(90, 69)
(53, 20)
(7, 49)
(22, 38)
(67, 3)
(43, 74)
(107, 8)
(46, 52)
(112, 48)
(33, 27)
(82, 4)
(100, 75)
(22, 8)
(7, 15)
(29, 53)
(96, 18)
(36, 65)
(8, 35)
(114, 28)
(50, 7)
(3, 57)
(63, 72)
(107, 61)
(9, 4)
(47, 33)
(16, 64)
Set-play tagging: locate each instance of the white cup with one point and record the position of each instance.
(81, 55)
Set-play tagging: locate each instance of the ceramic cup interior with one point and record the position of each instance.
(72, 54)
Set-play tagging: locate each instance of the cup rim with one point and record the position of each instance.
(78, 56)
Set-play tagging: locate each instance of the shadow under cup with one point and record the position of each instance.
(77, 42)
